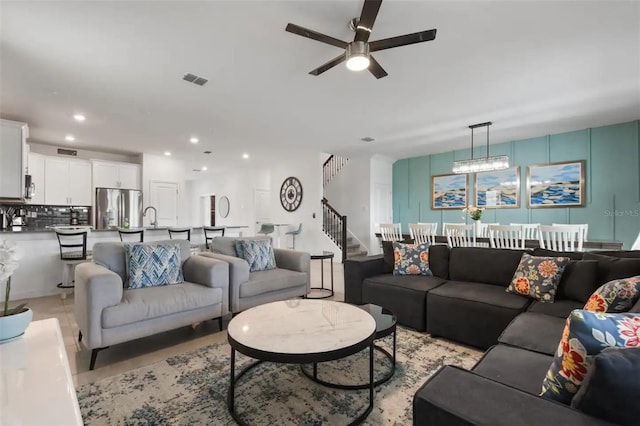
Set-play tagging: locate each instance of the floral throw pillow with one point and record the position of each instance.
(585, 335)
(411, 259)
(537, 277)
(615, 296)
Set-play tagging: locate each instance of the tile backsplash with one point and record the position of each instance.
(39, 216)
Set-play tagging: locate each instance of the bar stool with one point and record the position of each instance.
(293, 235)
(266, 229)
(73, 250)
(210, 232)
(131, 235)
(180, 233)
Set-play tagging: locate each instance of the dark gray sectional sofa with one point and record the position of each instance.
(465, 301)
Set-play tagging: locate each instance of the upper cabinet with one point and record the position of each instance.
(68, 182)
(36, 170)
(109, 174)
(13, 158)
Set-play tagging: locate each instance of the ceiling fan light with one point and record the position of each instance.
(358, 56)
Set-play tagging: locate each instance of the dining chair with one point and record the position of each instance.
(583, 226)
(636, 245)
(530, 230)
(506, 236)
(482, 229)
(445, 224)
(131, 235)
(423, 232)
(391, 232)
(460, 235)
(210, 232)
(561, 237)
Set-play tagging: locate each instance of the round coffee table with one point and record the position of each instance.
(300, 331)
(385, 325)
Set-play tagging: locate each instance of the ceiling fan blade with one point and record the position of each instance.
(376, 69)
(402, 40)
(332, 63)
(314, 35)
(367, 18)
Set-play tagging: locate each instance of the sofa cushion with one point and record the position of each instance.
(151, 265)
(538, 277)
(403, 295)
(573, 255)
(586, 334)
(620, 253)
(148, 303)
(559, 308)
(535, 332)
(615, 296)
(612, 268)
(272, 280)
(439, 260)
(483, 265)
(258, 254)
(515, 367)
(636, 308)
(579, 280)
(611, 389)
(112, 256)
(411, 259)
(389, 256)
(227, 245)
(471, 313)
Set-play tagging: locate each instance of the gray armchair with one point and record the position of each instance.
(108, 314)
(291, 278)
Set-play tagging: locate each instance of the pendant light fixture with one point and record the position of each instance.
(482, 164)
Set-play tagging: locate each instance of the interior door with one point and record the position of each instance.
(262, 206)
(164, 197)
(382, 204)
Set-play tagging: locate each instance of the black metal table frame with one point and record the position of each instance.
(262, 356)
(322, 257)
(392, 358)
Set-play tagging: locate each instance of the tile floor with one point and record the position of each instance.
(138, 353)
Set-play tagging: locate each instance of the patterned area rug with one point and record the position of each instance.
(191, 389)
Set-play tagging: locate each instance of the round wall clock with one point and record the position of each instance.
(291, 194)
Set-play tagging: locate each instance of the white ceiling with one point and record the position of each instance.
(533, 68)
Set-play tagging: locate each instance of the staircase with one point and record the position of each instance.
(334, 224)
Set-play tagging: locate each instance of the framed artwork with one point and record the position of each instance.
(556, 185)
(448, 192)
(498, 189)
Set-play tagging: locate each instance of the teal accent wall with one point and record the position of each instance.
(612, 155)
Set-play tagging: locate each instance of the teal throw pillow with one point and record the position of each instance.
(150, 265)
(258, 254)
(585, 335)
(411, 259)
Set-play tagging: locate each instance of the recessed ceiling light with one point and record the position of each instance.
(167, 153)
(69, 138)
(194, 140)
(245, 156)
(79, 117)
(204, 168)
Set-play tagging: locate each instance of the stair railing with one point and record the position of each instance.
(332, 167)
(335, 226)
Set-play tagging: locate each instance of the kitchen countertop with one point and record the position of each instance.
(35, 230)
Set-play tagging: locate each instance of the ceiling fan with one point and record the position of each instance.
(358, 52)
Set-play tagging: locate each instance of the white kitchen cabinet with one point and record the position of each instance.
(36, 170)
(68, 182)
(109, 174)
(13, 158)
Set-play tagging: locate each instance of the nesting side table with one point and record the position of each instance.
(324, 292)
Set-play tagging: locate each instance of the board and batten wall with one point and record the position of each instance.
(612, 155)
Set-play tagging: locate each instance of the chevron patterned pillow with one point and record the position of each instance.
(150, 265)
(258, 253)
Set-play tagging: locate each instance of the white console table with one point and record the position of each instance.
(36, 387)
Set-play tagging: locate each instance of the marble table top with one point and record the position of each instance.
(301, 326)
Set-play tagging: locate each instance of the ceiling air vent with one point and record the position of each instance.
(207, 152)
(192, 78)
(367, 139)
(71, 152)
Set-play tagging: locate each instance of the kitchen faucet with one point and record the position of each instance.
(154, 222)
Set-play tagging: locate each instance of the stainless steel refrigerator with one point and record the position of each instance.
(113, 206)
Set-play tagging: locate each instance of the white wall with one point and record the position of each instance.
(84, 154)
(381, 175)
(158, 168)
